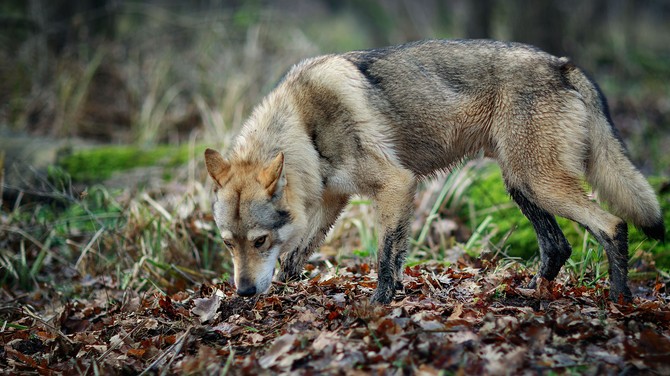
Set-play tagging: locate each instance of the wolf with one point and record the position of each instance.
(375, 122)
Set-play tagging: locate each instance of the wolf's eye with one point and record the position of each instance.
(260, 241)
(228, 244)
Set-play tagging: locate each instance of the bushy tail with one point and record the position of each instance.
(609, 170)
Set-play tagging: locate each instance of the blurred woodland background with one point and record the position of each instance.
(89, 88)
(155, 72)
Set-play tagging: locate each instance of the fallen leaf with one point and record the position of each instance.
(456, 313)
(339, 298)
(324, 339)
(226, 329)
(255, 338)
(136, 353)
(279, 347)
(206, 308)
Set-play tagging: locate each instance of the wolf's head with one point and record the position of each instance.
(250, 212)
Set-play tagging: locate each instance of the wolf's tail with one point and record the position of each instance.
(608, 168)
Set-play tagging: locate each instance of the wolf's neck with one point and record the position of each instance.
(276, 127)
(267, 132)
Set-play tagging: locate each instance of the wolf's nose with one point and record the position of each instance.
(246, 290)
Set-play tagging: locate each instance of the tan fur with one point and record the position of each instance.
(374, 122)
(270, 177)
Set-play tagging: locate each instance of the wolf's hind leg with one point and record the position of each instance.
(563, 195)
(292, 263)
(394, 212)
(554, 247)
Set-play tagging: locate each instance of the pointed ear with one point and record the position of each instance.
(272, 177)
(217, 167)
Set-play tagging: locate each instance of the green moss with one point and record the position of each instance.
(100, 163)
(488, 194)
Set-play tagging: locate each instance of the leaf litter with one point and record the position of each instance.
(465, 319)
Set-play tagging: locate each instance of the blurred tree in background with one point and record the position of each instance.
(157, 71)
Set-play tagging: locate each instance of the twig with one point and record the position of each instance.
(176, 352)
(184, 272)
(177, 346)
(89, 246)
(24, 234)
(53, 328)
(114, 346)
(157, 206)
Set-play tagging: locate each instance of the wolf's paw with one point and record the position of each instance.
(538, 281)
(382, 296)
(623, 296)
(288, 275)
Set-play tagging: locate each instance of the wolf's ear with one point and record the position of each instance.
(217, 167)
(272, 177)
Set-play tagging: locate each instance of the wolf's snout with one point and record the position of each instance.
(249, 290)
(246, 287)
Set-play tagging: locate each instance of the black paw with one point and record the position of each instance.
(383, 295)
(621, 296)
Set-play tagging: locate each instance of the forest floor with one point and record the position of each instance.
(473, 317)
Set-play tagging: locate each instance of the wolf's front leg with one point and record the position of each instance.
(394, 211)
(293, 262)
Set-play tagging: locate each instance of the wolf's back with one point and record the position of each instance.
(608, 169)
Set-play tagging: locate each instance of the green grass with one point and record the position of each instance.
(100, 163)
(49, 234)
(150, 240)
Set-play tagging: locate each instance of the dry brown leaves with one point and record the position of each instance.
(461, 319)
